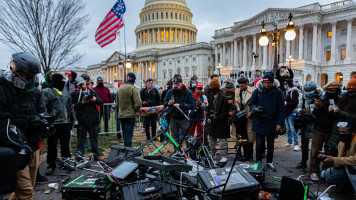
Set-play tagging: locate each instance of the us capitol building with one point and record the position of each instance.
(323, 50)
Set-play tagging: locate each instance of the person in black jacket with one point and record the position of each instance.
(218, 118)
(86, 103)
(150, 97)
(56, 102)
(287, 74)
(164, 93)
(180, 96)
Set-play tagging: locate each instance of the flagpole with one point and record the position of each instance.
(123, 19)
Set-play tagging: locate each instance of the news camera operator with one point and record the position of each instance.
(183, 98)
(20, 108)
(325, 131)
(267, 98)
(305, 120)
(86, 104)
(345, 112)
(218, 118)
(243, 126)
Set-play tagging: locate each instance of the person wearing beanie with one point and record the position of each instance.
(244, 127)
(57, 103)
(48, 80)
(287, 74)
(150, 97)
(70, 84)
(217, 125)
(105, 95)
(86, 105)
(268, 100)
(197, 116)
(342, 165)
(292, 99)
(169, 86)
(128, 102)
(182, 97)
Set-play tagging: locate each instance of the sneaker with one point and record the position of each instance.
(302, 165)
(271, 167)
(287, 145)
(314, 177)
(50, 171)
(296, 148)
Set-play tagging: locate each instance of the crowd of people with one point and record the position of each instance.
(256, 110)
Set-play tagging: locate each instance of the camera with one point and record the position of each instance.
(237, 116)
(88, 97)
(212, 114)
(321, 158)
(43, 123)
(257, 112)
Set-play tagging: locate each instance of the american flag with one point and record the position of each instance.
(106, 32)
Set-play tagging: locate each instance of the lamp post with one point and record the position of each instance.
(219, 67)
(289, 36)
(127, 66)
(290, 60)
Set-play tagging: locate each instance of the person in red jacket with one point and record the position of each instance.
(105, 95)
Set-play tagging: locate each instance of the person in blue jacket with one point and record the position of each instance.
(267, 100)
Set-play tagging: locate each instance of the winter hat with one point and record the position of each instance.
(352, 83)
(131, 77)
(119, 84)
(289, 82)
(214, 84)
(269, 76)
(79, 80)
(72, 73)
(331, 85)
(99, 79)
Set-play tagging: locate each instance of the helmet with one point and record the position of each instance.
(25, 63)
(309, 86)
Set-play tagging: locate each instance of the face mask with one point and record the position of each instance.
(176, 86)
(345, 138)
(311, 95)
(59, 85)
(330, 95)
(101, 84)
(285, 87)
(351, 93)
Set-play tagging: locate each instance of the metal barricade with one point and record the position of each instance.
(110, 122)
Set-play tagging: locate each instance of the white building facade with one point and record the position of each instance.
(324, 48)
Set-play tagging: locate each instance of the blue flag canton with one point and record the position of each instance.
(119, 8)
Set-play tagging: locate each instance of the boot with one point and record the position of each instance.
(302, 165)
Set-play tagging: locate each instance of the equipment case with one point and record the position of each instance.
(257, 170)
(241, 184)
(87, 187)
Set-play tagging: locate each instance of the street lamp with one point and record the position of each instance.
(219, 67)
(290, 60)
(126, 66)
(289, 36)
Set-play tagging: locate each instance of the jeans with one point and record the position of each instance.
(118, 126)
(128, 125)
(260, 147)
(333, 175)
(63, 134)
(318, 141)
(305, 147)
(291, 130)
(150, 120)
(105, 113)
(93, 134)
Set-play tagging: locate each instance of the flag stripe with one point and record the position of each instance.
(108, 28)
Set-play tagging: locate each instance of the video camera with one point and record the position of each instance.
(212, 114)
(88, 97)
(238, 116)
(302, 119)
(257, 112)
(43, 123)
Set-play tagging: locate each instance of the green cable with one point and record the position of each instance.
(174, 142)
(306, 192)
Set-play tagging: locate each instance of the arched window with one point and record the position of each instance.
(153, 16)
(183, 17)
(161, 15)
(166, 15)
(171, 15)
(180, 16)
(178, 71)
(176, 16)
(157, 16)
(149, 17)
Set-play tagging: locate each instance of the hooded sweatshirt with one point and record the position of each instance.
(47, 81)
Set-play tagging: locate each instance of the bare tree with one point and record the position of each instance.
(49, 29)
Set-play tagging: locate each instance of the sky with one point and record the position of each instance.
(208, 16)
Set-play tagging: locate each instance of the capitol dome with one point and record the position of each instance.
(165, 24)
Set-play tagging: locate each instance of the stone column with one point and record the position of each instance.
(349, 40)
(164, 35)
(281, 45)
(265, 56)
(301, 33)
(223, 55)
(305, 45)
(287, 49)
(150, 69)
(235, 54)
(244, 57)
(216, 55)
(170, 35)
(270, 52)
(315, 30)
(254, 49)
(240, 53)
(319, 47)
(146, 70)
(181, 36)
(174, 35)
(159, 35)
(232, 53)
(333, 43)
(259, 57)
